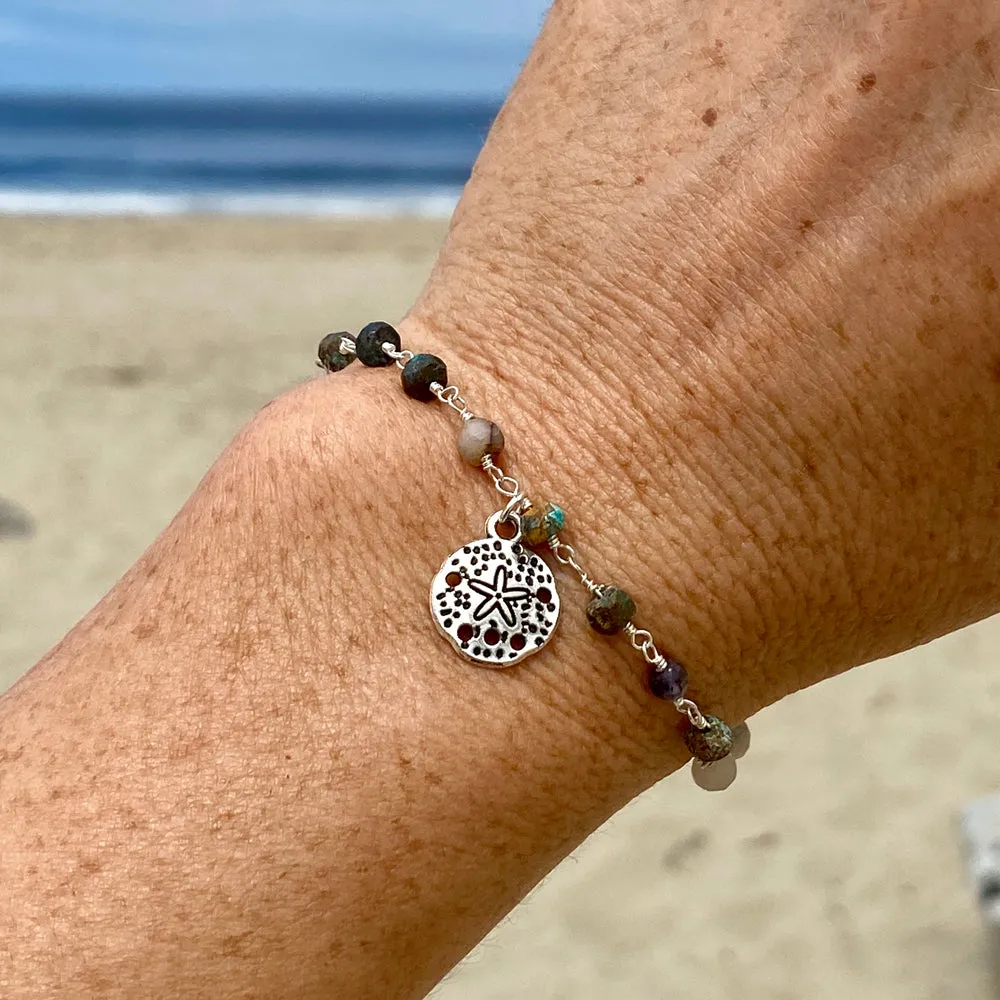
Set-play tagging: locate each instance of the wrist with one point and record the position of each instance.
(646, 454)
(381, 487)
(289, 723)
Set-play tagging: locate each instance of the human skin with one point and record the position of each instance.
(726, 275)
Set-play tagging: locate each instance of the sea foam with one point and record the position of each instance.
(419, 204)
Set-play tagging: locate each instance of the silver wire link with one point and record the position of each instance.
(516, 505)
(505, 485)
(400, 357)
(566, 555)
(643, 641)
(450, 396)
(689, 708)
(346, 346)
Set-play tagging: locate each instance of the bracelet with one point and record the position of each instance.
(495, 599)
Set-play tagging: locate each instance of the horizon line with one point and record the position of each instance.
(273, 96)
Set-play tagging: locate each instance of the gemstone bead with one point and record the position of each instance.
(330, 356)
(668, 680)
(539, 525)
(369, 341)
(714, 776)
(712, 743)
(420, 373)
(479, 438)
(741, 740)
(610, 610)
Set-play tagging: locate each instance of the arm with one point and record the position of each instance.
(752, 352)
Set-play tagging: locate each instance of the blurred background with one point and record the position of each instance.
(191, 194)
(307, 106)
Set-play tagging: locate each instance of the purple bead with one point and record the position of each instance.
(668, 680)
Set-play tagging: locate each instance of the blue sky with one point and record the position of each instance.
(267, 46)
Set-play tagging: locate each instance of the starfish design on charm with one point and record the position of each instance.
(498, 596)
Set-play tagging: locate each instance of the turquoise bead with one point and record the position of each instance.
(539, 525)
(556, 518)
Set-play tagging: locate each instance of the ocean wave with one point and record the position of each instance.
(422, 204)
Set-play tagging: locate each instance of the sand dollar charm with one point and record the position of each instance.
(494, 599)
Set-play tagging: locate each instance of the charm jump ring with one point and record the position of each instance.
(502, 517)
(516, 505)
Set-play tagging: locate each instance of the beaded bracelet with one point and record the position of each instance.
(495, 599)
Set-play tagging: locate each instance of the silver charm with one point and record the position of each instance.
(494, 599)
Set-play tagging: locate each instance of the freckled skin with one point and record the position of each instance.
(253, 770)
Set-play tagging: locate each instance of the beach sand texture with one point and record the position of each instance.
(131, 350)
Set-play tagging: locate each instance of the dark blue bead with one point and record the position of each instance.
(368, 344)
(668, 680)
(420, 373)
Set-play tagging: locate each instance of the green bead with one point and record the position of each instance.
(539, 525)
(610, 610)
(711, 743)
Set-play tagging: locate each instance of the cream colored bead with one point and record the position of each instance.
(716, 776)
(741, 740)
(478, 438)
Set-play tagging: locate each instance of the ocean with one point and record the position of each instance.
(169, 155)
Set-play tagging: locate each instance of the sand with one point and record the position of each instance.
(130, 350)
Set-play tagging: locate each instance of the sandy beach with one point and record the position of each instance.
(132, 349)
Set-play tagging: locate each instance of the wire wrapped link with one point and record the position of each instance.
(643, 641)
(450, 396)
(516, 506)
(566, 555)
(505, 485)
(689, 708)
(400, 357)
